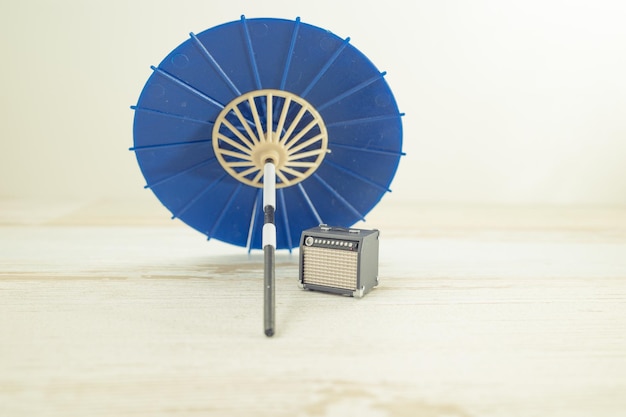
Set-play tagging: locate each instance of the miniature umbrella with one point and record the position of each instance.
(255, 92)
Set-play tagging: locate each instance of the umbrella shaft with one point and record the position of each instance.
(269, 246)
(269, 303)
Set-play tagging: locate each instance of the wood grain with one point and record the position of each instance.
(481, 311)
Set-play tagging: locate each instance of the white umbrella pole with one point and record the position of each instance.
(269, 245)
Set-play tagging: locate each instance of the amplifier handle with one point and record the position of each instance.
(327, 228)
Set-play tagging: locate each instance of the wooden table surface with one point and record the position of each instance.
(110, 309)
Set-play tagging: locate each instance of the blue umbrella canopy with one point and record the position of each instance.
(236, 95)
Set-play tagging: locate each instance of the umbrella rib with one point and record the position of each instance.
(294, 164)
(269, 121)
(241, 164)
(293, 125)
(369, 150)
(339, 197)
(364, 120)
(246, 124)
(238, 133)
(224, 210)
(257, 119)
(252, 220)
(214, 63)
(304, 144)
(197, 197)
(258, 176)
(234, 144)
(293, 172)
(185, 171)
(352, 91)
(325, 68)
(280, 174)
(305, 154)
(283, 116)
(310, 203)
(255, 69)
(186, 86)
(172, 115)
(247, 171)
(292, 45)
(292, 141)
(168, 145)
(238, 155)
(285, 217)
(358, 176)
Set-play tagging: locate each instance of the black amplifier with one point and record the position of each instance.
(339, 260)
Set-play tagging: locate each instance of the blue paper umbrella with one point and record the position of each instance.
(231, 98)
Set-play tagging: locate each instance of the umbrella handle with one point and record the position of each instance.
(269, 245)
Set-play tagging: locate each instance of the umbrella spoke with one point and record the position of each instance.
(325, 67)
(283, 116)
(238, 133)
(300, 164)
(257, 118)
(172, 115)
(234, 144)
(292, 45)
(177, 174)
(253, 215)
(168, 145)
(293, 172)
(301, 133)
(309, 203)
(225, 210)
(364, 120)
(284, 214)
(197, 197)
(187, 86)
(339, 196)
(306, 143)
(255, 69)
(306, 154)
(247, 172)
(359, 176)
(352, 91)
(215, 65)
(269, 116)
(245, 123)
(283, 177)
(293, 125)
(235, 155)
(257, 178)
(241, 164)
(369, 150)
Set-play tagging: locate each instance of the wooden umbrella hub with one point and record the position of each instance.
(269, 125)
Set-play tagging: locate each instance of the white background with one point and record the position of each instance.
(506, 102)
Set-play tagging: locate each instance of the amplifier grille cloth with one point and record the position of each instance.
(330, 267)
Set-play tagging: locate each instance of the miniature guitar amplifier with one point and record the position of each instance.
(339, 260)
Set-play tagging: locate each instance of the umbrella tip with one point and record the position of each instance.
(269, 332)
